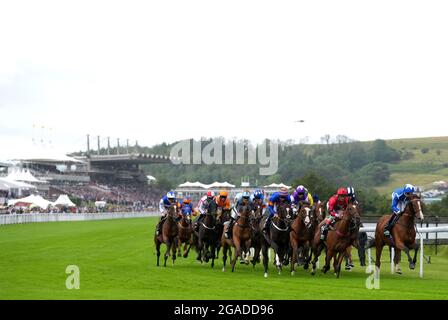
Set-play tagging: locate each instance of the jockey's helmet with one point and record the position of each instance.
(210, 194)
(342, 192)
(170, 195)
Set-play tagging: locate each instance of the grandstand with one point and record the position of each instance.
(117, 179)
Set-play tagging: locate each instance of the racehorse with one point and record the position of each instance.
(168, 235)
(302, 233)
(206, 238)
(338, 240)
(241, 237)
(403, 234)
(222, 216)
(278, 238)
(257, 235)
(185, 232)
(318, 214)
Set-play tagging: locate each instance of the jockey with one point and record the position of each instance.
(301, 195)
(164, 205)
(186, 207)
(222, 200)
(278, 197)
(352, 195)
(203, 207)
(257, 199)
(243, 200)
(400, 198)
(336, 204)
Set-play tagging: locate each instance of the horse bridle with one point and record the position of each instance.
(214, 218)
(420, 211)
(248, 217)
(352, 219)
(285, 219)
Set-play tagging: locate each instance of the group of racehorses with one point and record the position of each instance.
(293, 233)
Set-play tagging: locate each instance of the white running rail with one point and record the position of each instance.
(52, 217)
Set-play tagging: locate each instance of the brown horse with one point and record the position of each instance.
(241, 236)
(338, 240)
(403, 234)
(185, 232)
(168, 235)
(278, 238)
(302, 232)
(318, 213)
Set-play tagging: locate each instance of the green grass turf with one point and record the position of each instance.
(117, 261)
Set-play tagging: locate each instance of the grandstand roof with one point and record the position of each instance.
(136, 158)
(16, 184)
(41, 154)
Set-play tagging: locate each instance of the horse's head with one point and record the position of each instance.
(319, 210)
(219, 212)
(173, 210)
(305, 214)
(416, 207)
(283, 211)
(352, 214)
(258, 212)
(186, 218)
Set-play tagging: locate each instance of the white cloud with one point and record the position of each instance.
(160, 71)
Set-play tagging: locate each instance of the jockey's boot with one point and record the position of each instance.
(160, 224)
(393, 219)
(228, 233)
(199, 220)
(267, 224)
(324, 231)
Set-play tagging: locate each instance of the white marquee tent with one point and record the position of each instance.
(214, 185)
(64, 200)
(32, 200)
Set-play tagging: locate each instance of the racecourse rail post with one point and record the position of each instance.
(421, 255)
(392, 257)
(369, 255)
(437, 240)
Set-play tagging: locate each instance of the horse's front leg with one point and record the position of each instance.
(167, 252)
(213, 250)
(339, 263)
(411, 261)
(179, 248)
(416, 247)
(199, 250)
(295, 248)
(328, 258)
(174, 248)
(265, 249)
(278, 262)
(237, 243)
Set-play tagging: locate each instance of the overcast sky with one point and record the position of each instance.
(157, 71)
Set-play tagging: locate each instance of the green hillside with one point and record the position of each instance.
(421, 169)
